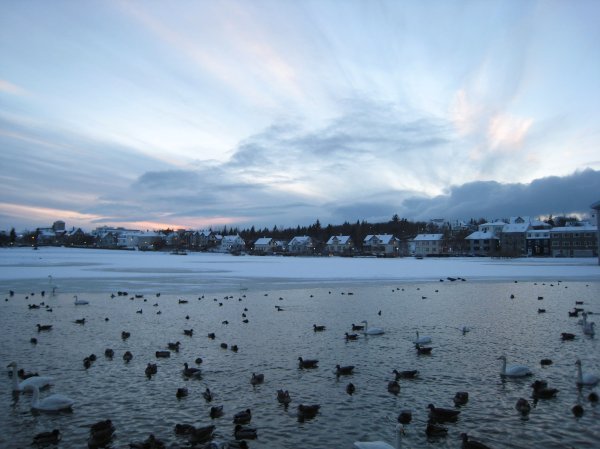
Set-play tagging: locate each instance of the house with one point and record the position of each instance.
(538, 242)
(339, 245)
(232, 244)
(205, 239)
(147, 240)
(596, 208)
(429, 244)
(575, 241)
(381, 245)
(264, 245)
(301, 245)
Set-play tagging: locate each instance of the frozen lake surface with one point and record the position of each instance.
(326, 291)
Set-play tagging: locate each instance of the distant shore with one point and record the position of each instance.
(106, 271)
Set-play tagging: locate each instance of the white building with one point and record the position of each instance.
(339, 244)
(429, 244)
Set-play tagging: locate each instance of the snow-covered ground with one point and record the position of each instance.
(104, 269)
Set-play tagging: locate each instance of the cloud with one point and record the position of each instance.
(10, 88)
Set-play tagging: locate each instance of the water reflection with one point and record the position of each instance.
(272, 340)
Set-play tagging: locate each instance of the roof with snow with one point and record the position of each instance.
(264, 241)
(428, 237)
(480, 235)
(338, 239)
(383, 238)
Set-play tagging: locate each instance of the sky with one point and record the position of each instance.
(197, 114)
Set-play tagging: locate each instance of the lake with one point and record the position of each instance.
(271, 342)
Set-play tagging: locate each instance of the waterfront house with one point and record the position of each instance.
(381, 245)
(301, 245)
(339, 245)
(429, 244)
(264, 245)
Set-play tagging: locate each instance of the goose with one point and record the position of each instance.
(52, 403)
(513, 370)
(244, 433)
(310, 363)
(461, 398)
(80, 302)
(257, 379)
(39, 382)
(442, 414)
(380, 444)
(371, 330)
(422, 340)
(585, 379)
(471, 444)
(407, 374)
(523, 406)
(343, 370)
(47, 438)
(243, 417)
(307, 411)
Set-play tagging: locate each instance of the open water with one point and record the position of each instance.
(271, 342)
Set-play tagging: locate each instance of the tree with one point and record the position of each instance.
(13, 236)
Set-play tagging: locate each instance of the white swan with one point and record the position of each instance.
(513, 370)
(39, 382)
(587, 379)
(371, 330)
(52, 403)
(381, 444)
(80, 302)
(422, 340)
(588, 328)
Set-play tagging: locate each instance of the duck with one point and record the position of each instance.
(207, 395)
(405, 417)
(243, 417)
(307, 411)
(357, 327)
(471, 444)
(24, 375)
(184, 429)
(343, 370)
(44, 327)
(461, 398)
(162, 354)
(188, 332)
(350, 388)
(351, 337)
(283, 397)
(422, 340)
(151, 369)
(39, 382)
(309, 363)
(216, 411)
(201, 434)
(546, 362)
(52, 403)
(101, 434)
(244, 433)
(371, 330)
(393, 387)
(149, 443)
(80, 302)
(181, 393)
(407, 374)
(442, 414)
(257, 379)
(191, 372)
(174, 346)
(593, 397)
(585, 379)
(567, 336)
(127, 356)
(109, 353)
(433, 430)
(577, 410)
(513, 370)
(318, 328)
(541, 390)
(523, 406)
(125, 335)
(47, 438)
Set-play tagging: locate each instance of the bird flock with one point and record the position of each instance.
(437, 418)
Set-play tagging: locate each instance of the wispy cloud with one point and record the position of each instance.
(10, 88)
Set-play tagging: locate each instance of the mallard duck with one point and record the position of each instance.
(461, 398)
(393, 387)
(433, 430)
(442, 414)
(109, 353)
(181, 393)
(343, 370)
(174, 346)
(283, 397)
(310, 363)
(577, 410)
(184, 429)
(244, 433)
(350, 337)
(471, 444)
(216, 411)
(243, 417)
(257, 379)
(523, 406)
(307, 411)
(191, 372)
(318, 328)
(350, 388)
(125, 335)
(408, 374)
(357, 327)
(188, 332)
(541, 390)
(127, 356)
(201, 434)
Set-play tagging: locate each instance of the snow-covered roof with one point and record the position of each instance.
(231, 239)
(383, 238)
(584, 228)
(515, 228)
(300, 240)
(340, 239)
(428, 237)
(480, 235)
(263, 241)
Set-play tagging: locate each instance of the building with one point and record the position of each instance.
(232, 244)
(429, 244)
(575, 241)
(538, 243)
(264, 245)
(339, 245)
(596, 208)
(381, 245)
(301, 245)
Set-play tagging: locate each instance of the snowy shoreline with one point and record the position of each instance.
(105, 270)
